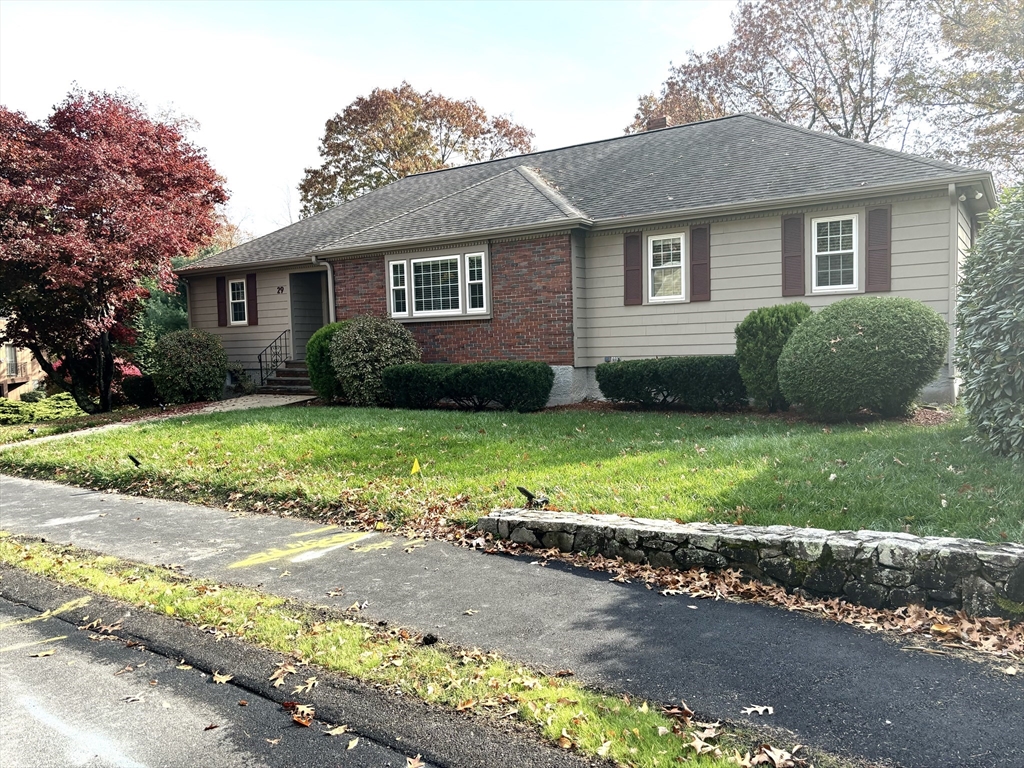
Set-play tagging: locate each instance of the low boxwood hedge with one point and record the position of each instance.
(698, 382)
(511, 385)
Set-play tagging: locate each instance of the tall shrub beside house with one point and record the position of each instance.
(863, 352)
(760, 339)
(990, 320)
(363, 349)
(191, 367)
(322, 375)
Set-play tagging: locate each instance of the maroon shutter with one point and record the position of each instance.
(700, 264)
(250, 299)
(633, 269)
(222, 301)
(879, 250)
(793, 255)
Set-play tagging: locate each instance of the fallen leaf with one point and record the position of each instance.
(470, 612)
(273, 741)
(220, 679)
(211, 726)
(309, 685)
(352, 744)
(604, 749)
(663, 731)
(467, 704)
(760, 710)
(337, 730)
(243, 703)
(414, 762)
(41, 654)
(1010, 671)
(184, 666)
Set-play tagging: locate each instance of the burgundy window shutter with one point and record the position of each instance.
(633, 269)
(700, 264)
(222, 301)
(250, 299)
(793, 255)
(879, 250)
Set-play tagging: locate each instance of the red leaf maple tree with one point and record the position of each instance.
(94, 201)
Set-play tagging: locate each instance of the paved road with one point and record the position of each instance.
(837, 688)
(100, 703)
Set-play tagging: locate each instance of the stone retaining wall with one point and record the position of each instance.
(880, 570)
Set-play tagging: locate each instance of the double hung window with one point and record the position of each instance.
(236, 296)
(665, 267)
(438, 286)
(835, 254)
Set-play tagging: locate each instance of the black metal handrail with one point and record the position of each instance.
(273, 356)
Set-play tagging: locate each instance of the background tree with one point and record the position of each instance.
(976, 91)
(94, 202)
(391, 133)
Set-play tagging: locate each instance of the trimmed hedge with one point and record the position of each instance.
(511, 385)
(863, 352)
(363, 349)
(322, 376)
(698, 382)
(190, 367)
(140, 391)
(990, 316)
(15, 412)
(760, 339)
(417, 385)
(53, 408)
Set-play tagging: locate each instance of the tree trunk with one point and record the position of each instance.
(106, 373)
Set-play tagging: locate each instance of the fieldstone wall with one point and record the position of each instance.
(880, 570)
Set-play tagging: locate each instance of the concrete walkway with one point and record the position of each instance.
(244, 403)
(837, 688)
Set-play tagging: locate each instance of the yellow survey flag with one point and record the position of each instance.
(415, 467)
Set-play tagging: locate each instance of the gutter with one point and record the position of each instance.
(333, 310)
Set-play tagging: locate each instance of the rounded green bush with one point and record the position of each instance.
(990, 318)
(140, 391)
(363, 349)
(863, 352)
(190, 367)
(56, 407)
(14, 412)
(322, 375)
(760, 339)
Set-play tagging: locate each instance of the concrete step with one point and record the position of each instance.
(292, 373)
(268, 389)
(288, 381)
(295, 364)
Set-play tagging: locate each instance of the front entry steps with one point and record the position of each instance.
(292, 379)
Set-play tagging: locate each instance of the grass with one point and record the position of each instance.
(632, 732)
(721, 468)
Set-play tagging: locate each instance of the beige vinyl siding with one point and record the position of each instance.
(746, 273)
(243, 342)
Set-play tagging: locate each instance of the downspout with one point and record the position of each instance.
(333, 314)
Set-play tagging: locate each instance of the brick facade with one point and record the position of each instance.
(531, 301)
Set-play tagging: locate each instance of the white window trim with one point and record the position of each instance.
(244, 302)
(482, 281)
(855, 287)
(392, 288)
(462, 266)
(649, 276)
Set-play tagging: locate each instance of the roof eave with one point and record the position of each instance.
(759, 206)
(200, 269)
(440, 240)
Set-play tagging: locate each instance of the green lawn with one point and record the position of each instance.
(720, 468)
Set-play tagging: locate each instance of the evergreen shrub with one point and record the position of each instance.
(322, 376)
(990, 319)
(190, 367)
(363, 349)
(759, 342)
(697, 382)
(863, 352)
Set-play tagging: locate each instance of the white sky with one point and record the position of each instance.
(261, 78)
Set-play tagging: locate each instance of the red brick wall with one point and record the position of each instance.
(531, 295)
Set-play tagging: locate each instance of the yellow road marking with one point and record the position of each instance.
(313, 532)
(34, 642)
(71, 605)
(371, 547)
(270, 555)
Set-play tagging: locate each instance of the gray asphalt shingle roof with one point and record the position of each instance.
(734, 160)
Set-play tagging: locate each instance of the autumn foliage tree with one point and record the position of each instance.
(395, 132)
(845, 67)
(94, 203)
